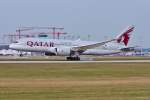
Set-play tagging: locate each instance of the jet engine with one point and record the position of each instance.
(60, 51)
(63, 51)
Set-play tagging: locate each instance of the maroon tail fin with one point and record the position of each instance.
(125, 35)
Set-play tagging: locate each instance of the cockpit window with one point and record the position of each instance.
(15, 42)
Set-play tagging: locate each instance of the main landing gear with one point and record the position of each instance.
(73, 58)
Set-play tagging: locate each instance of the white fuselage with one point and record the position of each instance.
(63, 46)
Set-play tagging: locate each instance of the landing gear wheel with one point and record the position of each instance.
(73, 58)
(20, 55)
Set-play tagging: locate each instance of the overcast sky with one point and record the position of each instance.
(99, 18)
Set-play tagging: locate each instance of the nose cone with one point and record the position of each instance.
(11, 46)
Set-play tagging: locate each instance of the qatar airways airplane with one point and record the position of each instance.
(73, 49)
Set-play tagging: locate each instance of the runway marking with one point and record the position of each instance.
(110, 61)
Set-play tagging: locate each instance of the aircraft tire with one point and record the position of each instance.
(73, 58)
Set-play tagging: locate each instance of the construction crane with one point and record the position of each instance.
(51, 28)
(19, 30)
(54, 31)
(58, 34)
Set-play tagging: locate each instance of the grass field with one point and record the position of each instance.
(99, 81)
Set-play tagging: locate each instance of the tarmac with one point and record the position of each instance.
(57, 62)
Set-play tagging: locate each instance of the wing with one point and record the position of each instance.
(85, 47)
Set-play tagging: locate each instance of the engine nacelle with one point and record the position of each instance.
(61, 51)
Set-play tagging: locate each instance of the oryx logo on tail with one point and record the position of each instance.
(125, 35)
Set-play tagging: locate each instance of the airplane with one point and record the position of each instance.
(74, 48)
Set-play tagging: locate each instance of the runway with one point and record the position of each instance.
(57, 62)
